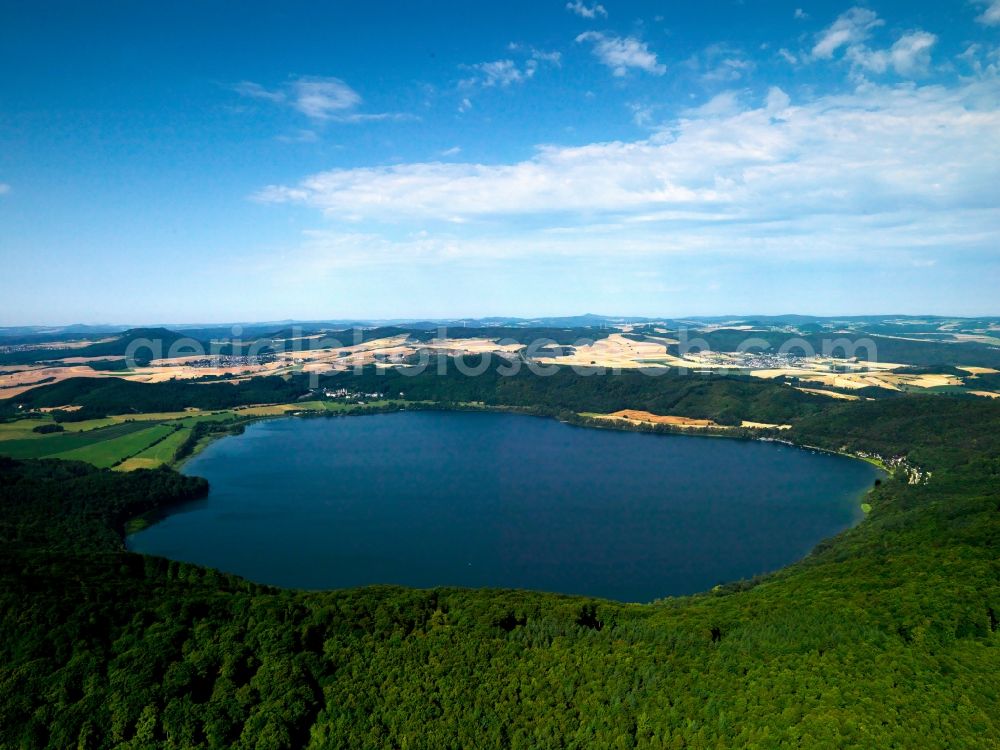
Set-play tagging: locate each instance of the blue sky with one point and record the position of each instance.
(212, 162)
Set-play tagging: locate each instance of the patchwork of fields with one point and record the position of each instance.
(136, 441)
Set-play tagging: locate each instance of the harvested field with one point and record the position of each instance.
(831, 394)
(16, 383)
(616, 351)
(636, 415)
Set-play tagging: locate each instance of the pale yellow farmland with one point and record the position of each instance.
(616, 351)
(471, 346)
(831, 394)
(17, 382)
(639, 417)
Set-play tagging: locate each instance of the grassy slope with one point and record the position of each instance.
(61, 443)
(158, 454)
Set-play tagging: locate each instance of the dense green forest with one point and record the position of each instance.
(885, 636)
(724, 399)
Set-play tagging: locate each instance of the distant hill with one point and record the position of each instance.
(163, 339)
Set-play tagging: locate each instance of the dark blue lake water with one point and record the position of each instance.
(475, 499)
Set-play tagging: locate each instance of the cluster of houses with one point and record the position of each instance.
(899, 465)
(344, 393)
(226, 360)
(752, 360)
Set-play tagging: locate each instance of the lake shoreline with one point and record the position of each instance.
(856, 514)
(575, 419)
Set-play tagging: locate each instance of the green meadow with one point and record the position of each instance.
(106, 453)
(159, 453)
(61, 443)
(143, 441)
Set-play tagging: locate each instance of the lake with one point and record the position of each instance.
(483, 499)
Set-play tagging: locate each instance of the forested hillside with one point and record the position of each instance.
(724, 399)
(886, 636)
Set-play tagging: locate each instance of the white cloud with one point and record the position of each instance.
(553, 58)
(642, 114)
(974, 57)
(777, 101)
(850, 28)
(800, 14)
(500, 73)
(318, 98)
(504, 73)
(322, 98)
(788, 57)
(622, 53)
(4, 188)
(865, 189)
(587, 11)
(453, 151)
(909, 56)
(883, 169)
(991, 14)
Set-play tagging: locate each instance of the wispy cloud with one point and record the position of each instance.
(788, 57)
(909, 55)
(982, 61)
(623, 53)
(323, 98)
(317, 97)
(299, 136)
(4, 188)
(850, 28)
(991, 14)
(642, 114)
(587, 11)
(505, 73)
(501, 73)
(721, 63)
(553, 58)
(252, 90)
